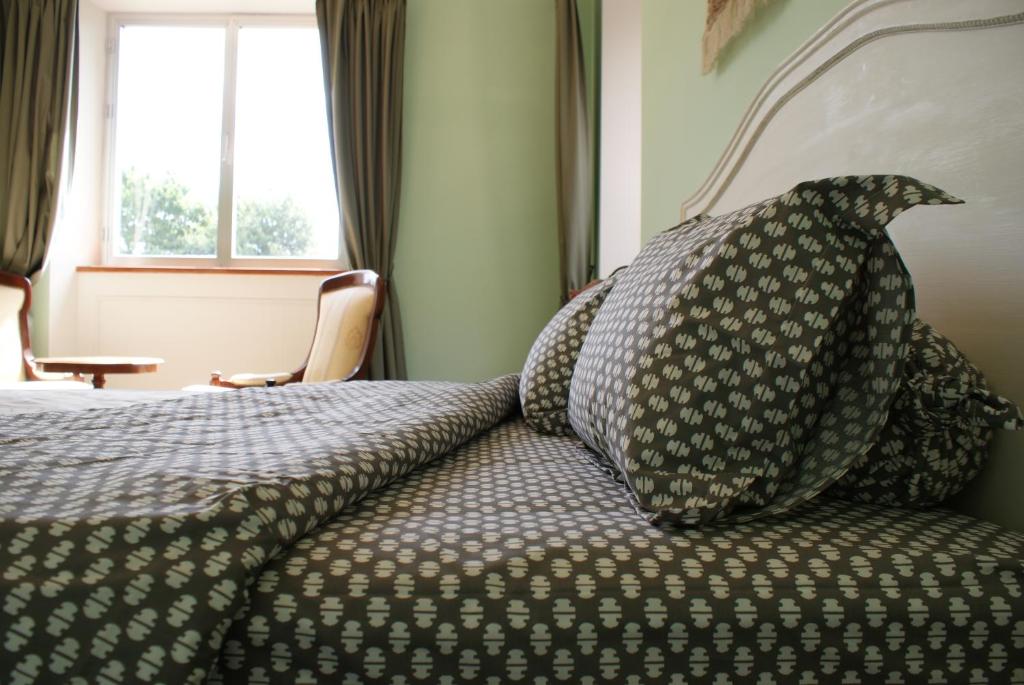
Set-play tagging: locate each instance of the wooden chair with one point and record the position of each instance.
(348, 313)
(17, 366)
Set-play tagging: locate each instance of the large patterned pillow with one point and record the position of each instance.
(938, 432)
(746, 362)
(544, 382)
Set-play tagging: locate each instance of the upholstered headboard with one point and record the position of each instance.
(932, 89)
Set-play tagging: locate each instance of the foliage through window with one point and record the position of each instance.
(220, 147)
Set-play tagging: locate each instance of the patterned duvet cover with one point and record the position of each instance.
(213, 538)
(514, 560)
(129, 537)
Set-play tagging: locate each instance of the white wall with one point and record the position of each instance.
(196, 322)
(619, 206)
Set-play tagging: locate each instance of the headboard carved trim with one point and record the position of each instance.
(767, 102)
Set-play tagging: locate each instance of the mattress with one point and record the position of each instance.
(515, 559)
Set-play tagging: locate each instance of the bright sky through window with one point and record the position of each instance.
(281, 142)
(169, 144)
(169, 97)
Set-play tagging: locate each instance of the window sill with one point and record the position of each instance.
(228, 270)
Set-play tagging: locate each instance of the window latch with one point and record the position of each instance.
(225, 153)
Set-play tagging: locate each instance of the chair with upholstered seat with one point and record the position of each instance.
(348, 314)
(17, 368)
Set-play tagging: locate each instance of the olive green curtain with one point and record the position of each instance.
(575, 167)
(363, 46)
(38, 102)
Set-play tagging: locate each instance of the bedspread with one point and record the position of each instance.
(129, 537)
(515, 560)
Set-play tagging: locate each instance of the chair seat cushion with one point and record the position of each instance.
(255, 379)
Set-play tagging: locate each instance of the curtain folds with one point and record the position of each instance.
(363, 46)
(575, 170)
(38, 99)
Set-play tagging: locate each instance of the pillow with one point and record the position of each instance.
(544, 383)
(939, 429)
(745, 362)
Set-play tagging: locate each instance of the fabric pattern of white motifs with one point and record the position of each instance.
(544, 382)
(743, 363)
(514, 560)
(129, 537)
(937, 437)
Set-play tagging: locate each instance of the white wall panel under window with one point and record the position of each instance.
(196, 322)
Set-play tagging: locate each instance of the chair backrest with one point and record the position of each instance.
(346, 327)
(15, 350)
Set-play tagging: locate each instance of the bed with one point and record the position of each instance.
(481, 567)
(17, 400)
(423, 532)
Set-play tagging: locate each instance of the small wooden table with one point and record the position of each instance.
(98, 367)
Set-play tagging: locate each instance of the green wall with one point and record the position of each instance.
(477, 257)
(477, 265)
(688, 118)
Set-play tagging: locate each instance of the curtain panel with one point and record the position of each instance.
(38, 103)
(363, 46)
(575, 169)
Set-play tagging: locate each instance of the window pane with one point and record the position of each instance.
(168, 139)
(285, 204)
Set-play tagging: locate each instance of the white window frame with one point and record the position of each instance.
(225, 228)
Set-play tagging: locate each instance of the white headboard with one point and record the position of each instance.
(932, 89)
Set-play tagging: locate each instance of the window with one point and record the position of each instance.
(219, 149)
